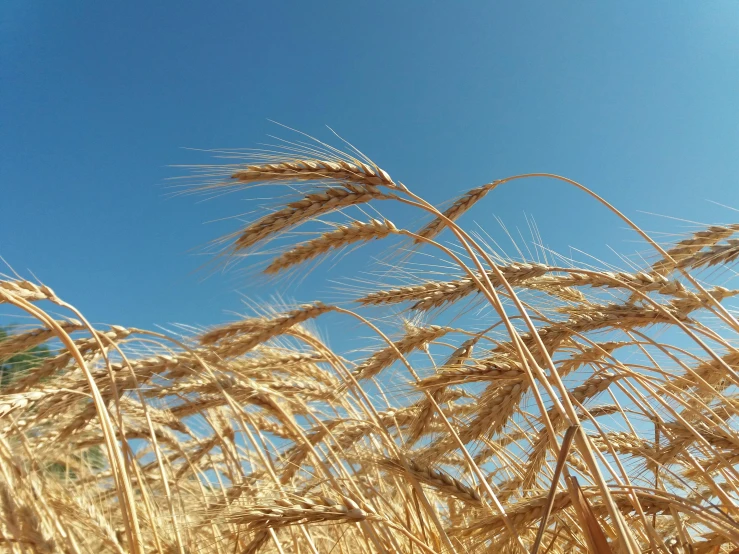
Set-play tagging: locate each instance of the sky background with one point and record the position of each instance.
(635, 99)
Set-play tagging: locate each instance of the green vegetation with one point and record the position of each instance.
(20, 363)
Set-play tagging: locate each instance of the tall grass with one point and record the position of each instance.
(508, 406)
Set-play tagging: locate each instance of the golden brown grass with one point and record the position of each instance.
(585, 410)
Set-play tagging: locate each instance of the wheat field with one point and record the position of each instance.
(496, 404)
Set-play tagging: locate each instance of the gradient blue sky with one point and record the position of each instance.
(636, 99)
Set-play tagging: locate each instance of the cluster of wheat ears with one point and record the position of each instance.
(506, 406)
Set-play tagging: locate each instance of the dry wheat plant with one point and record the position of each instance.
(497, 405)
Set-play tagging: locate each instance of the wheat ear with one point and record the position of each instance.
(315, 170)
(309, 207)
(459, 207)
(343, 235)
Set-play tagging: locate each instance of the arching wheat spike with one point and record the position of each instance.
(460, 206)
(716, 255)
(25, 290)
(88, 347)
(499, 402)
(499, 367)
(438, 293)
(691, 301)
(684, 250)
(589, 356)
(11, 402)
(590, 388)
(714, 373)
(288, 363)
(315, 170)
(439, 480)
(427, 411)
(285, 512)
(624, 443)
(641, 281)
(311, 206)
(520, 514)
(16, 344)
(415, 338)
(341, 236)
(601, 316)
(534, 276)
(259, 324)
(502, 366)
(271, 328)
(275, 359)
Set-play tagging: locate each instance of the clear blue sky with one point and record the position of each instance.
(636, 99)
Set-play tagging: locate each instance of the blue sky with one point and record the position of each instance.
(638, 100)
